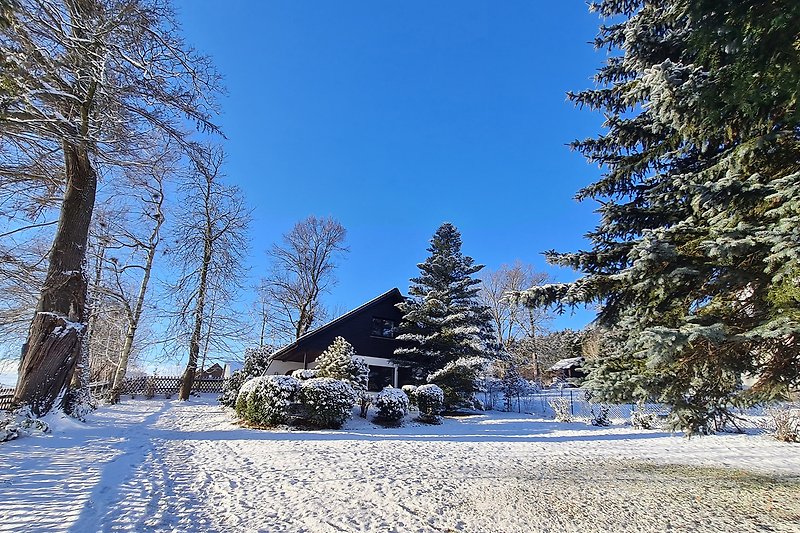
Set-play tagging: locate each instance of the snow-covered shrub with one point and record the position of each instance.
(392, 405)
(640, 419)
(364, 401)
(430, 401)
(256, 363)
(265, 400)
(303, 374)
(18, 423)
(326, 402)
(783, 423)
(513, 385)
(562, 409)
(410, 391)
(339, 361)
(458, 381)
(230, 388)
(600, 417)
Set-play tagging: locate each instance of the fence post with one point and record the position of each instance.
(571, 404)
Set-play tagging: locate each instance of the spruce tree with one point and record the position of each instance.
(695, 260)
(442, 318)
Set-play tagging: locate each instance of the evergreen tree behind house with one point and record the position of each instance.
(696, 259)
(442, 318)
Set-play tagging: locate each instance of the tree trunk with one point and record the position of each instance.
(194, 344)
(54, 339)
(136, 314)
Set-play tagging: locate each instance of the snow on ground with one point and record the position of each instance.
(158, 465)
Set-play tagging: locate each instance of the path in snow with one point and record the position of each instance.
(170, 466)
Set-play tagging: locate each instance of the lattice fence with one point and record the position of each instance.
(147, 386)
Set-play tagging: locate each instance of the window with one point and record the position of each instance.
(380, 377)
(382, 327)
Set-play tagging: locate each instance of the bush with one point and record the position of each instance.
(392, 405)
(326, 402)
(640, 419)
(410, 390)
(256, 363)
(304, 374)
(20, 422)
(600, 418)
(266, 400)
(458, 381)
(230, 388)
(784, 423)
(430, 400)
(562, 409)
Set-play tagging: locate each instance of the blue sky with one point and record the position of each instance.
(394, 117)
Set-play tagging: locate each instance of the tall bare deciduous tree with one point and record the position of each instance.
(512, 321)
(210, 246)
(303, 268)
(86, 81)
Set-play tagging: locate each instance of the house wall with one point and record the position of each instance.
(285, 367)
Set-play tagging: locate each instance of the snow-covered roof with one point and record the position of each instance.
(570, 362)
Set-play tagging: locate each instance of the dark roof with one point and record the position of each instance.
(390, 295)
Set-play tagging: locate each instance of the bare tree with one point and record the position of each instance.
(513, 322)
(303, 268)
(211, 242)
(151, 196)
(90, 82)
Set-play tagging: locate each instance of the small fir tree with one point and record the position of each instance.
(339, 361)
(442, 319)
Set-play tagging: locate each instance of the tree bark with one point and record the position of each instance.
(54, 339)
(194, 344)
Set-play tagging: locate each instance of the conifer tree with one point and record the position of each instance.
(443, 319)
(339, 361)
(695, 259)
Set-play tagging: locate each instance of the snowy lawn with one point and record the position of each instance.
(156, 465)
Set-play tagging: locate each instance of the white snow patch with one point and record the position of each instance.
(163, 465)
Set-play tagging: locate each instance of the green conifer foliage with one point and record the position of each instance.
(339, 361)
(696, 255)
(442, 318)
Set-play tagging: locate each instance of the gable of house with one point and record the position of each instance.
(370, 329)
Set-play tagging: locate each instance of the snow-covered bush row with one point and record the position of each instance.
(392, 405)
(430, 401)
(19, 423)
(266, 400)
(600, 417)
(303, 374)
(326, 402)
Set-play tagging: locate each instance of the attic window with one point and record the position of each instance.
(383, 327)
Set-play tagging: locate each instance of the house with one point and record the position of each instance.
(570, 368)
(213, 372)
(370, 328)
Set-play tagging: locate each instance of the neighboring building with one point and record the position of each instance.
(213, 372)
(230, 368)
(571, 368)
(370, 328)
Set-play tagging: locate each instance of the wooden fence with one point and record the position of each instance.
(147, 386)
